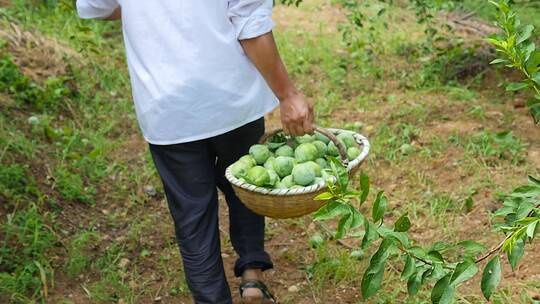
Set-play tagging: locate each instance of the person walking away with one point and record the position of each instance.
(204, 74)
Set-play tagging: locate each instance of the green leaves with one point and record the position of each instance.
(370, 234)
(536, 77)
(340, 172)
(516, 86)
(330, 211)
(518, 52)
(409, 269)
(526, 191)
(415, 281)
(524, 34)
(403, 224)
(534, 108)
(400, 237)
(348, 222)
(364, 187)
(379, 206)
(502, 6)
(443, 291)
(516, 253)
(325, 196)
(517, 206)
(531, 229)
(498, 60)
(371, 281)
(471, 247)
(491, 277)
(435, 256)
(463, 272)
(428, 265)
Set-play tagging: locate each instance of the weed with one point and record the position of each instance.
(14, 82)
(13, 180)
(396, 142)
(111, 286)
(71, 186)
(24, 266)
(460, 93)
(436, 147)
(440, 203)
(491, 148)
(178, 284)
(332, 267)
(48, 97)
(79, 258)
(478, 112)
(452, 64)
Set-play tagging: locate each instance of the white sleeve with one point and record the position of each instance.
(251, 18)
(96, 9)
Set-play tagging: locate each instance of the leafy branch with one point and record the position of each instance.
(521, 212)
(421, 265)
(518, 51)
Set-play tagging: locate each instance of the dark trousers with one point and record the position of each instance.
(190, 173)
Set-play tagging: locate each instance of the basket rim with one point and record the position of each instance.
(360, 139)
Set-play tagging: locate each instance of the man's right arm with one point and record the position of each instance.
(99, 9)
(252, 20)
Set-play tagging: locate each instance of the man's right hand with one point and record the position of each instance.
(297, 115)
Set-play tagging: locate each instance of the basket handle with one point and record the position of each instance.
(341, 148)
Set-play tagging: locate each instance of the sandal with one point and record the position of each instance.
(259, 285)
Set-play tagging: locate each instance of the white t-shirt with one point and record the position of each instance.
(190, 77)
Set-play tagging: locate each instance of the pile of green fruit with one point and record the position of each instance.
(288, 163)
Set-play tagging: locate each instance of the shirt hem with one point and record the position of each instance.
(213, 133)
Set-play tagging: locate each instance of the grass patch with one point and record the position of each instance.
(492, 148)
(72, 186)
(395, 142)
(79, 255)
(112, 285)
(25, 269)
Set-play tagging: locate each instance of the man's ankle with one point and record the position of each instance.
(252, 274)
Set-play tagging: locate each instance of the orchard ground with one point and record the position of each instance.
(80, 196)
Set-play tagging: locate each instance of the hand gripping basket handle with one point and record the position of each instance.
(341, 148)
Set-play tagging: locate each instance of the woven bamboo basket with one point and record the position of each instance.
(291, 203)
